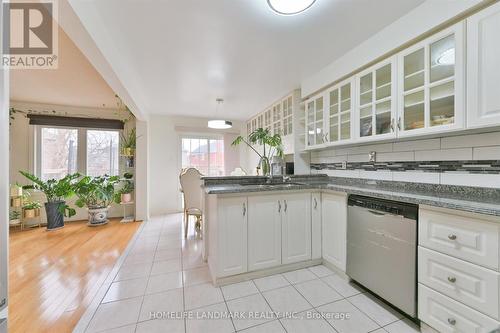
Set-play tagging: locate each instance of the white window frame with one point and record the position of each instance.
(200, 136)
(81, 157)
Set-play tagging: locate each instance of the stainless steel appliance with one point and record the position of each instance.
(382, 249)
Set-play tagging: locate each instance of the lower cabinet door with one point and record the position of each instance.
(296, 227)
(316, 225)
(264, 231)
(334, 225)
(232, 236)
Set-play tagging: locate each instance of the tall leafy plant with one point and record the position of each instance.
(56, 190)
(95, 192)
(271, 146)
(129, 140)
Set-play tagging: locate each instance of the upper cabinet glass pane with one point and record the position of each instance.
(345, 97)
(365, 89)
(442, 58)
(334, 100)
(414, 70)
(383, 82)
(442, 104)
(319, 108)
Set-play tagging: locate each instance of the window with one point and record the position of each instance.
(102, 153)
(62, 151)
(204, 154)
(59, 147)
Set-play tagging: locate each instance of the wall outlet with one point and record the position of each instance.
(344, 165)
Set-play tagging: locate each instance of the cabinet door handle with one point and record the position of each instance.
(244, 209)
(315, 203)
(452, 321)
(452, 279)
(452, 237)
(286, 206)
(326, 137)
(392, 124)
(279, 206)
(399, 123)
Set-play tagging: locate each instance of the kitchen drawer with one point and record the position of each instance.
(475, 286)
(449, 316)
(461, 236)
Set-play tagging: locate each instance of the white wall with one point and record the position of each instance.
(22, 147)
(4, 186)
(165, 154)
(485, 146)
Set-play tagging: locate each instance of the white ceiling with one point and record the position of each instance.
(74, 83)
(176, 57)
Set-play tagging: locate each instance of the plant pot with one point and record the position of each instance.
(55, 219)
(265, 166)
(128, 151)
(29, 213)
(16, 202)
(16, 191)
(98, 216)
(126, 197)
(129, 161)
(15, 222)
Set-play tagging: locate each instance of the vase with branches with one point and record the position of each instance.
(271, 146)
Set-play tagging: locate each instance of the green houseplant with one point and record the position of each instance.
(97, 193)
(31, 209)
(128, 142)
(271, 146)
(124, 194)
(56, 192)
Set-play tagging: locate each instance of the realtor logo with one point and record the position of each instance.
(29, 35)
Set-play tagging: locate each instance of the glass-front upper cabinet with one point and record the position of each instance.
(314, 121)
(376, 106)
(339, 128)
(431, 84)
(277, 119)
(287, 116)
(267, 119)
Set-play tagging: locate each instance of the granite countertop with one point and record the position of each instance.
(470, 199)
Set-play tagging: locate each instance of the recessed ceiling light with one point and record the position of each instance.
(290, 7)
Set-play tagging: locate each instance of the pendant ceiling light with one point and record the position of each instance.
(219, 123)
(290, 7)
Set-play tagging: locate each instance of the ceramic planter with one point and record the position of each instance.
(14, 222)
(98, 216)
(128, 151)
(16, 202)
(16, 191)
(55, 219)
(126, 197)
(29, 213)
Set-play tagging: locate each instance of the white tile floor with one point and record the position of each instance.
(163, 274)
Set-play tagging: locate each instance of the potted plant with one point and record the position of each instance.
(97, 193)
(271, 145)
(124, 195)
(16, 190)
(14, 217)
(56, 192)
(128, 143)
(31, 209)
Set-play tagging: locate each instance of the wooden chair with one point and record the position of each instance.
(191, 183)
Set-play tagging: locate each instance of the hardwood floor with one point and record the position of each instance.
(53, 276)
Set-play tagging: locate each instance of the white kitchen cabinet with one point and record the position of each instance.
(296, 227)
(334, 227)
(277, 119)
(264, 231)
(338, 114)
(315, 136)
(316, 225)
(432, 84)
(376, 101)
(483, 68)
(232, 236)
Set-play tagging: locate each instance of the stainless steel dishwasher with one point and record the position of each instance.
(382, 249)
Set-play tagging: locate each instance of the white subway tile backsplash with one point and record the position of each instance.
(416, 177)
(486, 153)
(474, 140)
(444, 155)
(378, 175)
(396, 157)
(379, 148)
(465, 179)
(417, 145)
(358, 158)
(341, 173)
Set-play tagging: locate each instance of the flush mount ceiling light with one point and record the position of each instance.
(290, 7)
(219, 123)
(447, 57)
